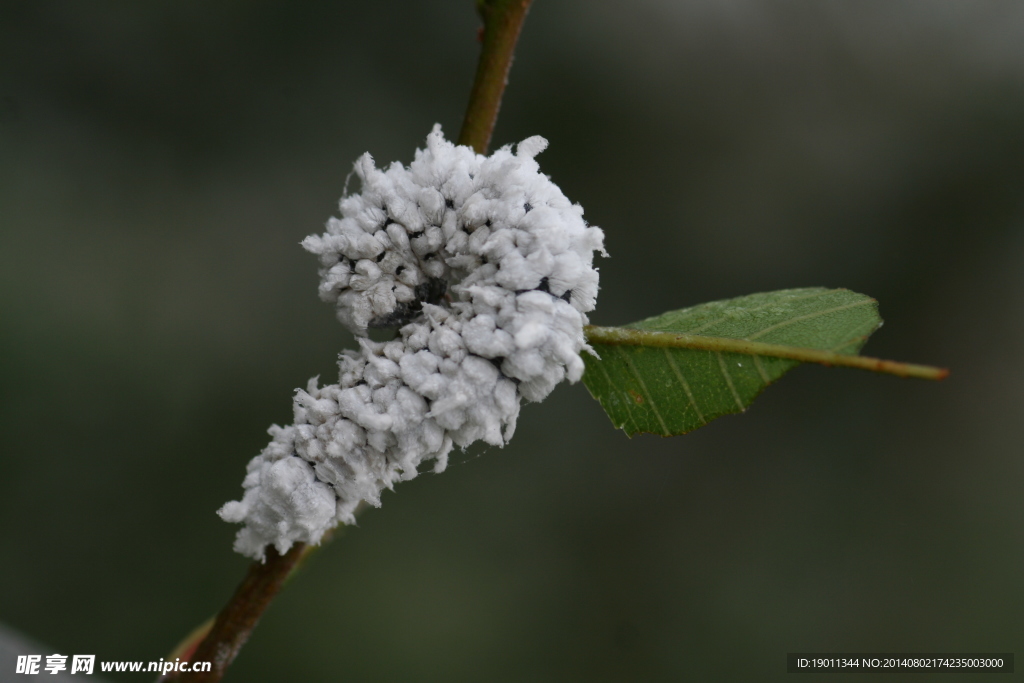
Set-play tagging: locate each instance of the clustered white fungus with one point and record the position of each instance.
(486, 270)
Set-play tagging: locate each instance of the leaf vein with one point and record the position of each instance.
(854, 340)
(643, 387)
(722, 319)
(808, 316)
(760, 369)
(686, 386)
(728, 380)
(611, 392)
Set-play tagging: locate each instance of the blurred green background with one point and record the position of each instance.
(160, 161)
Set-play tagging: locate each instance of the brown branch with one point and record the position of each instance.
(240, 616)
(503, 19)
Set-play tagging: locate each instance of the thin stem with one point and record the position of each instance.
(630, 337)
(240, 616)
(503, 19)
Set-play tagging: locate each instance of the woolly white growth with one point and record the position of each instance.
(486, 269)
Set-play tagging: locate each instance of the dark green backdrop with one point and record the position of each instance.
(160, 161)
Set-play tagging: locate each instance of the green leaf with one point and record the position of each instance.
(647, 384)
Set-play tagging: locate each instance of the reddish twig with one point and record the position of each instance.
(240, 616)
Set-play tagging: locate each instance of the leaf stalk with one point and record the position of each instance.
(625, 336)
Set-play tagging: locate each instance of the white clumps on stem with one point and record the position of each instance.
(486, 271)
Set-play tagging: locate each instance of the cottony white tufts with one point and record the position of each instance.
(486, 269)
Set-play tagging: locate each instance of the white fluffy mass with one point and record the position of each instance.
(486, 270)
